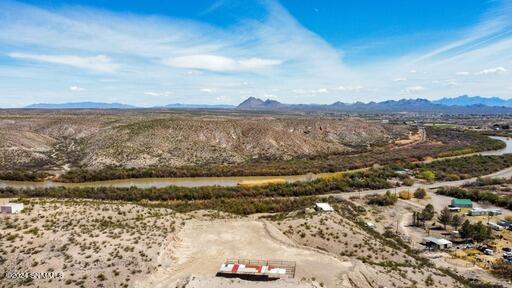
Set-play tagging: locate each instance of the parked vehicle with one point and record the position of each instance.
(488, 252)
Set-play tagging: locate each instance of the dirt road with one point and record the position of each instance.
(505, 173)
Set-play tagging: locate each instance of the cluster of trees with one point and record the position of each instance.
(456, 140)
(23, 175)
(427, 214)
(371, 179)
(448, 169)
(460, 139)
(478, 232)
(241, 206)
(476, 194)
(488, 181)
(461, 168)
(447, 218)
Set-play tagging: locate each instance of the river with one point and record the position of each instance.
(202, 181)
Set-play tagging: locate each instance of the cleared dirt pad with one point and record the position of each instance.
(205, 245)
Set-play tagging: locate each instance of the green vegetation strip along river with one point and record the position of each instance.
(221, 196)
(205, 181)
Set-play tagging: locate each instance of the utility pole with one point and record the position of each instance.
(397, 220)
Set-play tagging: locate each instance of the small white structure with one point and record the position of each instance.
(505, 223)
(11, 208)
(484, 212)
(437, 243)
(453, 209)
(325, 207)
(495, 226)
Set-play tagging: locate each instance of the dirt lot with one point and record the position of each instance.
(204, 245)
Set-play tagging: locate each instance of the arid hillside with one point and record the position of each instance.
(96, 139)
(118, 244)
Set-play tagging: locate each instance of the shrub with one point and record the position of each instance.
(426, 174)
(408, 181)
(406, 195)
(420, 193)
(382, 200)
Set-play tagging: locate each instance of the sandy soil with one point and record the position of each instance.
(93, 244)
(204, 245)
(211, 282)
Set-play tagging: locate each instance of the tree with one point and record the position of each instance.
(427, 213)
(420, 193)
(478, 232)
(481, 232)
(456, 221)
(445, 217)
(466, 230)
(428, 175)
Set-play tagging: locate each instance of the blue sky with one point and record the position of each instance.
(158, 52)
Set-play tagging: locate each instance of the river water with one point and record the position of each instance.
(201, 181)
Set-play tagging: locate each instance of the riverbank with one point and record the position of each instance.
(229, 181)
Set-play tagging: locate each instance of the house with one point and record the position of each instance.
(324, 207)
(436, 243)
(11, 208)
(462, 203)
(484, 212)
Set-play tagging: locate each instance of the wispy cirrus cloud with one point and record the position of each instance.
(220, 63)
(274, 56)
(99, 63)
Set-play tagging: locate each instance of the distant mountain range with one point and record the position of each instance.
(466, 100)
(403, 105)
(458, 105)
(102, 105)
(200, 106)
(80, 105)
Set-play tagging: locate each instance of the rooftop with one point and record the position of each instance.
(462, 201)
(324, 206)
(437, 241)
